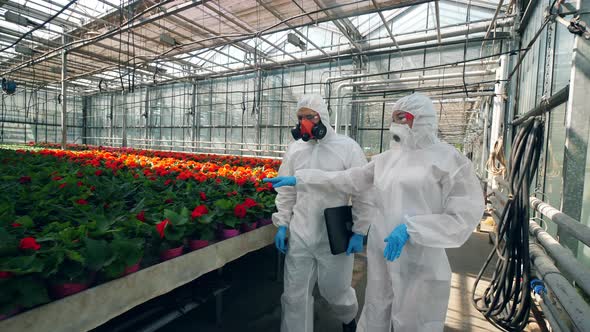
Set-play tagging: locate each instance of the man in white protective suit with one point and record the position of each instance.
(431, 200)
(301, 214)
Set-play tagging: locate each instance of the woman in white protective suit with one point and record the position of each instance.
(308, 258)
(431, 200)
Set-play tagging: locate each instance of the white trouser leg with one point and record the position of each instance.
(297, 300)
(335, 283)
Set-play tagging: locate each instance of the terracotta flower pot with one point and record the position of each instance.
(249, 227)
(197, 244)
(228, 233)
(132, 269)
(10, 313)
(264, 222)
(59, 291)
(171, 253)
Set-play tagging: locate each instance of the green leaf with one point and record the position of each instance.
(98, 254)
(75, 256)
(32, 293)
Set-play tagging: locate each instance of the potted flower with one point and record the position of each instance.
(253, 212)
(19, 270)
(170, 233)
(200, 229)
(230, 217)
(266, 200)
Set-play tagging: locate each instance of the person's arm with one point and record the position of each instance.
(363, 202)
(351, 181)
(286, 196)
(463, 206)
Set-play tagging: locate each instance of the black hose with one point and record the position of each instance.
(506, 302)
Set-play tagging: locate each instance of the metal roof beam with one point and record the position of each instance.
(277, 15)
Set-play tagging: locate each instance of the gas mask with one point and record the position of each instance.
(307, 130)
(400, 134)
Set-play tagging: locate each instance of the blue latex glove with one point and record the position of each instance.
(355, 244)
(281, 181)
(395, 242)
(280, 238)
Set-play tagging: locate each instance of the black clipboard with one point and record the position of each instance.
(339, 226)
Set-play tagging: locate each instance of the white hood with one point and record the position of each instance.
(425, 124)
(316, 102)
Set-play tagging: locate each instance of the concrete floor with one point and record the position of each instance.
(253, 301)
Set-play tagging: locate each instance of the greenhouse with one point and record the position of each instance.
(294, 165)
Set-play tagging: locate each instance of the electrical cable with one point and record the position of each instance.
(39, 26)
(506, 302)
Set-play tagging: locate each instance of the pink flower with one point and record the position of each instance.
(199, 211)
(29, 243)
(24, 179)
(141, 216)
(240, 211)
(250, 203)
(161, 226)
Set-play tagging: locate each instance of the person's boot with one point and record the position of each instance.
(350, 327)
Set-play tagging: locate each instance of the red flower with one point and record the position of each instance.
(141, 216)
(98, 172)
(250, 203)
(168, 201)
(93, 188)
(168, 182)
(24, 179)
(203, 196)
(5, 275)
(241, 181)
(57, 178)
(15, 225)
(240, 211)
(82, 201)
(199, 211)
(80, 183)
(161, 226)
(80, 174)
(61, 186)
(29, 243)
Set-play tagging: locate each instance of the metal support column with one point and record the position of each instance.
(124, 122)
(194, 135)
(64, 87)
(146, 115)
(577, 131)
(498, 108)
(85, 106)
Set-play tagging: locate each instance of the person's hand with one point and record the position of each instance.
(281, 181)
(280, 238)
(396, 242)
(355, 244)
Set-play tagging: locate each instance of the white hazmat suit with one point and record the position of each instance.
(429, 186)
(308, 256)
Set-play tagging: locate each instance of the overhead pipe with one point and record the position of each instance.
(547, 105)
(578, 230)
(474, 63)
(434, 101)
(399, 80)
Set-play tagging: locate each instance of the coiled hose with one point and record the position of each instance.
(506, 302)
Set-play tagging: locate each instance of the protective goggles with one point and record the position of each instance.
(401, 117)
(309, 117)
